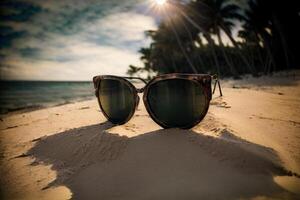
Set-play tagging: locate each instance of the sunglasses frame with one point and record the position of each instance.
(203, 80)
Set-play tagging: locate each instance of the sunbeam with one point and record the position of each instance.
(160, 2)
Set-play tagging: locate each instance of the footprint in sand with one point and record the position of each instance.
(219, 103)
(130, 127)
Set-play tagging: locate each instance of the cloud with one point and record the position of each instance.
(93, 60)
(123, 30)
(72, 40)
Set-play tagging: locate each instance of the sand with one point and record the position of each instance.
(247, 147)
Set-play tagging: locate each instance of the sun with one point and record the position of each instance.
(160, 2)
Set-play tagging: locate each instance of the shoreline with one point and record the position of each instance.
(245, 82)
(41, 107)
(71, 151)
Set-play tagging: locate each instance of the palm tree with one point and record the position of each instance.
(276, 30)
(270, 38)
(251, 42)
(217, 16)
(229, 62)
(170, 50)
(256, 21)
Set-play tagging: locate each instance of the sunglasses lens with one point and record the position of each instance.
(177, 102)
(117, 100)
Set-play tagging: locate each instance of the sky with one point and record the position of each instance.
(71, 39)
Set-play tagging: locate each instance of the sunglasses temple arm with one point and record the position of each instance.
(137, 78)
(215, 77)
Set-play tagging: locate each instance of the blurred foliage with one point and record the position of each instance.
(189, 38)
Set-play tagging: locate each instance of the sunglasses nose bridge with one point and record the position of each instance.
(140, 90)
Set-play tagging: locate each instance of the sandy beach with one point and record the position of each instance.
(247, 147)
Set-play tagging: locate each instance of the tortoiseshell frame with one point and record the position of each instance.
(203, 80)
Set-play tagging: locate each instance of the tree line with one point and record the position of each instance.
(190, 38)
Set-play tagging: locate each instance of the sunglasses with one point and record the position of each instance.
(172, 100)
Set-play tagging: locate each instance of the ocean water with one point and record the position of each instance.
(17, 95)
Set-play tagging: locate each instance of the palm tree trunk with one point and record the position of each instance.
(262, 62)
(235, 44)
(269, 51)
(213, 46)
(193, 45)
(208, 38)
(283, 40)
(182, 48)
(228, 62)
(199, 41)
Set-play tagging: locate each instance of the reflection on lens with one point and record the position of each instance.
(116, 99)
(177, 102)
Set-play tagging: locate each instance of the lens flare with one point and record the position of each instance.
(160, 2)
